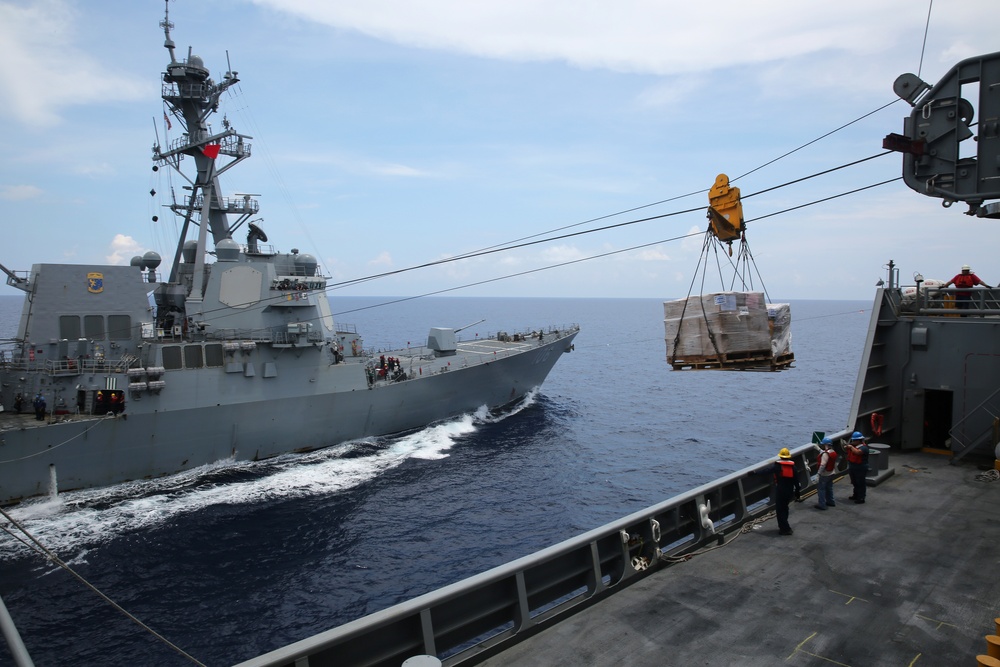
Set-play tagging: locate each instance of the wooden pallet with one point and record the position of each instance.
(761, 360)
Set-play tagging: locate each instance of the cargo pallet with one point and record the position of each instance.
(742, 361)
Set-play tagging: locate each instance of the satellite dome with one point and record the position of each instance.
(151, 259)
(307, 263)
(189, 251)
(136, 261)
(227, 250)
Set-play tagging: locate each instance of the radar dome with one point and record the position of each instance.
(307, 263)
(151, 259)
(227, 250)
(136, 261)
(189, 251)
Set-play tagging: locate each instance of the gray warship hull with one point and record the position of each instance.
(206, 415)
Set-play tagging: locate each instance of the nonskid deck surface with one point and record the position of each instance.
(908, 578)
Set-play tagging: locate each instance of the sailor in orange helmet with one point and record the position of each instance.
(786, 487)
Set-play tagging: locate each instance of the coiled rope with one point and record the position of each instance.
(747, 527)
(988, 476)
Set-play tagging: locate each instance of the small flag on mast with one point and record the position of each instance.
(211, 150)
(166, 120)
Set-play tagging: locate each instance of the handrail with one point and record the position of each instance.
(493, 610)
(984, 406)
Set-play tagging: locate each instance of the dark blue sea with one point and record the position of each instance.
(242, 558)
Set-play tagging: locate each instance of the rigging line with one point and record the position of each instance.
(698, 192)
(927, 28)
(815, 140)
(355, 281)
(821, 317)
(64, 442)
(820, 201)
(42, 549)
(585, 222)
(599, 256)
(819, 173)
(348, 283)
(493, 250)
(520, 273)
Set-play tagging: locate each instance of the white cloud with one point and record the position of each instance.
(396, 170)
(42, 71)
(123, 248)
(654, 254)
(646, 36)
(562, 253)
(383, 259)
(695, 241)
(19, 192)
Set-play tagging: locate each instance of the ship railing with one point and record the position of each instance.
(480, 616)
(977, 428)
(289, 269)
(66, 367)
(235, 205)
(949, 301)
(279, 336)
(528, 332)
(262, 249)
(187, 90)
(18, 279)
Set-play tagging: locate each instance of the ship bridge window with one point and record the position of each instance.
(93, 326)
(69, 327)
(120, 327)
(172, 357)
(192, 356)
(213, 355)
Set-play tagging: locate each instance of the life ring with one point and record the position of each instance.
(877, 420)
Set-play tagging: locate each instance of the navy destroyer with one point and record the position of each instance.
(232, 353)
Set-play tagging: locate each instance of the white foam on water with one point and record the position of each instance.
(76, 520)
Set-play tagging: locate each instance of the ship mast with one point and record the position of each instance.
(192, 97)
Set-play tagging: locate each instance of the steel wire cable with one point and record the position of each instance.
(494, 250)
(33, 544)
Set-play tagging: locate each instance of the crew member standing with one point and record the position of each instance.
(967, 280)
(39, 406)
(824, 480)
(857, 466)
(786, 487)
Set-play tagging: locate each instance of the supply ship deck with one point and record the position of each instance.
(905, 579)
(908, 578)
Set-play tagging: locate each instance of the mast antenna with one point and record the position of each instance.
(167, 25)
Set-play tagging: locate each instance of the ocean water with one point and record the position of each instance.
(238, 559)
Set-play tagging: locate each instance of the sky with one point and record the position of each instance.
(391, 133)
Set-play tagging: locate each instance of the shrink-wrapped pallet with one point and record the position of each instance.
(747, 332)
(780, 315)
(738, 321)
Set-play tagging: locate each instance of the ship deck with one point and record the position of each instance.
(907, 579)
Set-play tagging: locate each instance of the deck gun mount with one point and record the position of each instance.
(936, 163)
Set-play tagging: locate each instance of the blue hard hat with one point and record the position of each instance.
(857, 436)
(826, 441)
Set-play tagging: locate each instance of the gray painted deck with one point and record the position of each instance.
(910, 578)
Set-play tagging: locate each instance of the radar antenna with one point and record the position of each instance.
(167, 25)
